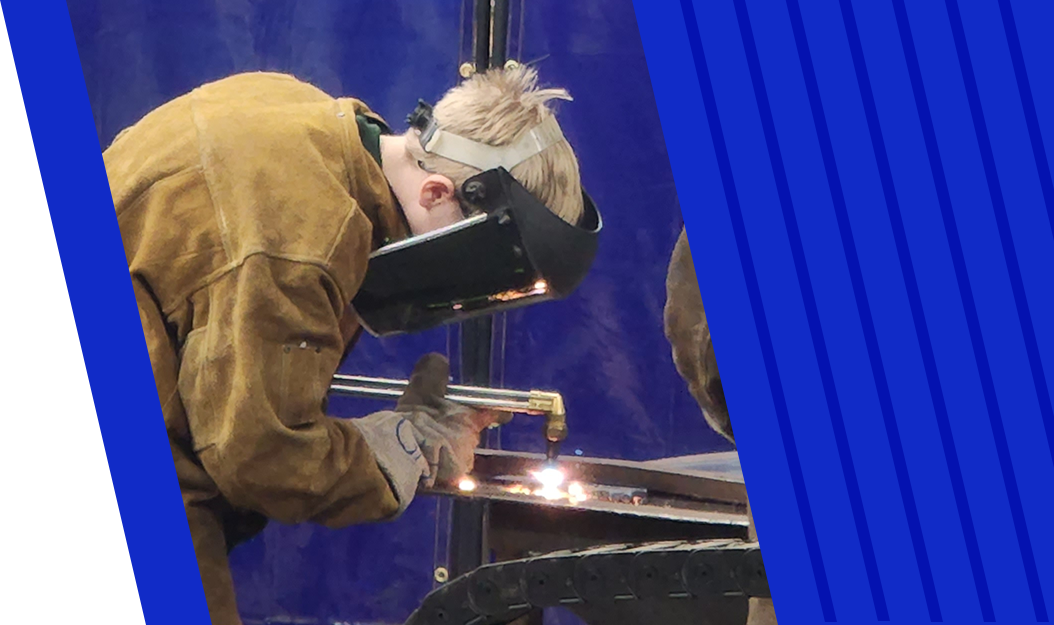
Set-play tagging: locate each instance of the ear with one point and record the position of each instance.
(436, 190)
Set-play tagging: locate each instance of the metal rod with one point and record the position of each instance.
(380, 388)
(499, 49)
(550, 404)
(481, 52)
(400, 385)
(473, 401)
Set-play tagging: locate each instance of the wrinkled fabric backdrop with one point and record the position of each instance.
(603, 347)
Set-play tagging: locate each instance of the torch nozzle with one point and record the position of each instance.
(552, 449)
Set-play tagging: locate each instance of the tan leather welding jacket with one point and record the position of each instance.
(248, 210)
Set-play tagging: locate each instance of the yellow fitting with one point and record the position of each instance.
(551, 404)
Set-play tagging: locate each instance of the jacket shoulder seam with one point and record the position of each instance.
(231, 267)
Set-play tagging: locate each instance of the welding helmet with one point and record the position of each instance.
(511, 251)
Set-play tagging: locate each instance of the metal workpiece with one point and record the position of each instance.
(658, 480)
(682, 582)
(618, 499)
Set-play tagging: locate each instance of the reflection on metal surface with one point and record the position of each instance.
(540, 287)
(577, 493)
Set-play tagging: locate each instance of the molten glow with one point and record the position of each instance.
(549, 478)
(576, 493)
(520, 489)
(467, 485)
(549, 485)
(541, 285)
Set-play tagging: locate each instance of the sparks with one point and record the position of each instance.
(549, 478)
(549, 485)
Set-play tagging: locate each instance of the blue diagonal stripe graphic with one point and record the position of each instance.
(864, 310)
(812, 315)
(758, 310)
(966, 292)
(1024, 317)
(918, 317)
(1035, 136)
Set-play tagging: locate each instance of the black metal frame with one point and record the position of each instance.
(468, 540)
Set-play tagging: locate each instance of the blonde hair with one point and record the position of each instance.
(496, 108)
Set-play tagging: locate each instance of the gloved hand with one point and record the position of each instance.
(427, 438)
(448, 433)
(393, 440)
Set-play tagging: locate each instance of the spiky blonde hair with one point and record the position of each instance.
(496, 108)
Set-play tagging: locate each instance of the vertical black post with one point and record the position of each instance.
(500, 30)
(468, 523)
(468, 539)
(481, 47)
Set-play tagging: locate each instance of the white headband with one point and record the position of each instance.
(483, 156)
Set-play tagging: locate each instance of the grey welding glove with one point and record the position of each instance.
(448, 433)
(393, 440)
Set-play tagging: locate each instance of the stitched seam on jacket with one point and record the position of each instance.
(345, 142)
(218, 274)
(221, 218)
(342, 231)
(145, 192)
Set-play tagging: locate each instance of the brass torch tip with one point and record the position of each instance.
(552, 449)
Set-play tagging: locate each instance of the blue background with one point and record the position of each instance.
(603, 347)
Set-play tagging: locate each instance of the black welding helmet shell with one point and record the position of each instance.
(515, 252)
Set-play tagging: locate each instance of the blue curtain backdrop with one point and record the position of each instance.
(603, 347)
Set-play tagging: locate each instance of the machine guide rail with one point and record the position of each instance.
(675, 582)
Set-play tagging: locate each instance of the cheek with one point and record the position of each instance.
(417, 218)
(423, 220)
(446, 214)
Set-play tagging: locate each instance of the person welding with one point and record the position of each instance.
(267, 223)
(688, 332)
